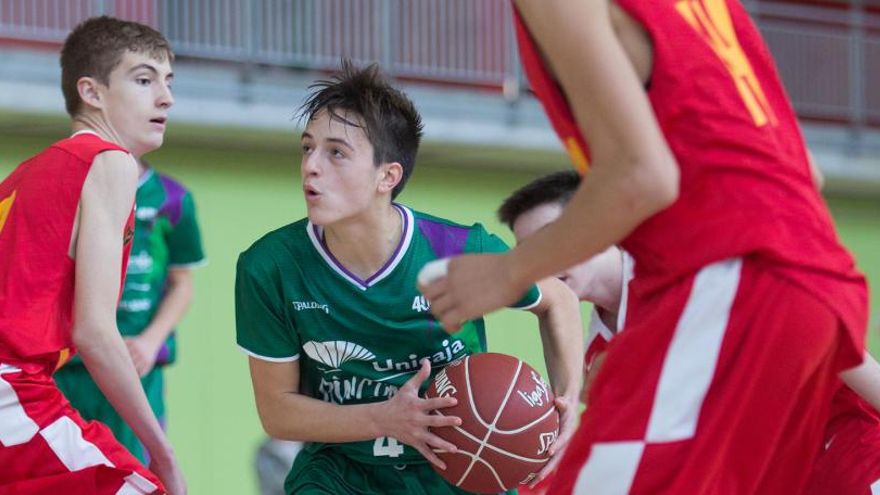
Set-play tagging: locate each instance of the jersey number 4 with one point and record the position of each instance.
(5, 206)
(387, 447)
(711, 20)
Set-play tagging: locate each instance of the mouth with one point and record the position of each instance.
(159, 120)
(311, 192)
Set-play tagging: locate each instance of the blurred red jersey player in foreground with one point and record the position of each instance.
(66, 222)
(743, 308)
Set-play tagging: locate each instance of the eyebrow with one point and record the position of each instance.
(331, 140)
(149, 68)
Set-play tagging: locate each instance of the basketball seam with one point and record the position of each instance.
(467, 380)
(526, 427)
(489, 445)
(489, 428)
(476, 458)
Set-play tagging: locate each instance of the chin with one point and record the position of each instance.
(144, 147)
(318, 218)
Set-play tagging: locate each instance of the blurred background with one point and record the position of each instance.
(243, 68)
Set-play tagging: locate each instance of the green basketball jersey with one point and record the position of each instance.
(357, 341)
(166, 236)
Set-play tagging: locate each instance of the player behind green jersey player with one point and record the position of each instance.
(158, 289)
(340, 340)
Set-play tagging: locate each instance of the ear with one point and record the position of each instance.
(90, 93)
(390, 175)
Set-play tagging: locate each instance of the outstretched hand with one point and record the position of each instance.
(407, 417)
(472, 286)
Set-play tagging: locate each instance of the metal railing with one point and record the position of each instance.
(465, 41)
(827, 55)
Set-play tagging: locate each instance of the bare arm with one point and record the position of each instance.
(560, 323)
(634, 174)
(107, 200)
(174, 305)
(287, 414)
(864, 379)
(561, 335)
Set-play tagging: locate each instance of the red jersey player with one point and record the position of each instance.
(743, 308)
(65, 228)
(849, 459)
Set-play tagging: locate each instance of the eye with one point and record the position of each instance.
(337, 153)
(143, 81)
(306, 149)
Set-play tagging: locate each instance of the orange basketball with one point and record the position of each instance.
(508, 421)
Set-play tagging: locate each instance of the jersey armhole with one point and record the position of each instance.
(534, 304)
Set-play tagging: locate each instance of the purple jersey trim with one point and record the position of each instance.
(445, 240)
(172, 207)
(389, 265)
(164, 354)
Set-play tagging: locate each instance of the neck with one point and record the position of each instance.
(365, 244)
(98, 124)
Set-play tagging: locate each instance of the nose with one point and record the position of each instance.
(309, 165)
(165, 98)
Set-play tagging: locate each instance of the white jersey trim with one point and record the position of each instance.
(629, 272)
(534, 304)
(189, 266)
(685, 377)
(690, 361)
(16, 427)
(597, 328)
(85, 131)
(136, 484)
(65, 438)
(611, 468)
(267, 358)
(145, 177)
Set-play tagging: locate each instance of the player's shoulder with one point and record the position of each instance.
(427, 221)
(171, 186)
(446, 237)
(86, 146)
(280, 245)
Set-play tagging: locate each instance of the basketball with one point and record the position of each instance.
(508, 420)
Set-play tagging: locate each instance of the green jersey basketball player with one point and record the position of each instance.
(340, 341)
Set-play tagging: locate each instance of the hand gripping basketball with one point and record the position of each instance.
(407, 418)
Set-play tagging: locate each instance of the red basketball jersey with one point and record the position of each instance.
(38, 208)
(746, 186)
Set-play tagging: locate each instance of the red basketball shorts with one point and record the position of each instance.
(47, 448)
(719, 384)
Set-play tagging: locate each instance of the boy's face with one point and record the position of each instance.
(584, 279)
(339, 177)
(137, 101)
